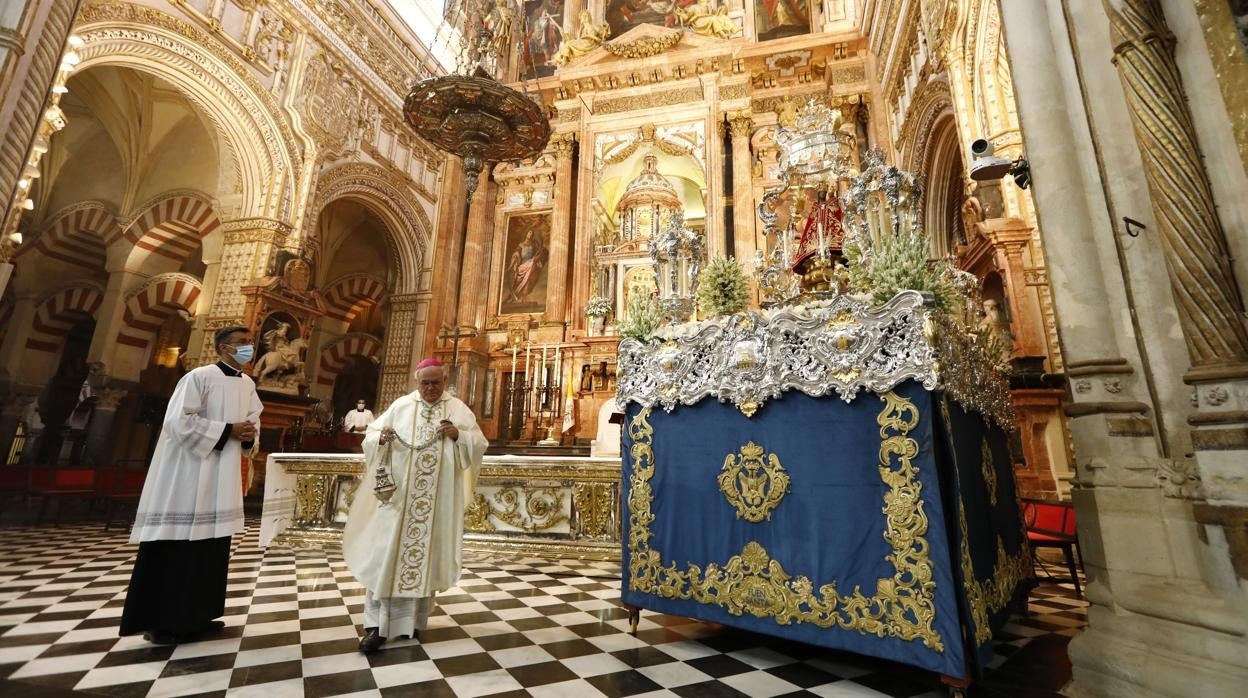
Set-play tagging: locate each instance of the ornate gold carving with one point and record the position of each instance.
(705, 18)
(530, 509)
(564, 144)
(1210, 309)
(310, 498)
(649, 100)
(903, 605)
(753, 484)
(589, 37)
(734, 91)
(741, 123)
(477, 516)
(651, 44)
(989, 470)
(420, 486)
(595, 506)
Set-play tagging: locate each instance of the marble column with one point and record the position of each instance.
(1010, 238)
(406, 330)
(475, 276)
(448, 233)
(119, 360)
(13, 357)
(100, 433)
(560, 229)
(741, 125)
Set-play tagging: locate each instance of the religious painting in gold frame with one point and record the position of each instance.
(543, 36)
(622, 15)
(526, 258)
(777, 19)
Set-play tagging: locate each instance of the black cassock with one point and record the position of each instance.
(177, 587)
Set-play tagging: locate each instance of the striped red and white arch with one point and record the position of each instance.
(347, 296)
(59, 311)
(153, 302)
(335, 354)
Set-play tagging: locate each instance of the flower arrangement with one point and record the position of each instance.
(643, 318)
(598, 307)
(723, 288)
(896, 263)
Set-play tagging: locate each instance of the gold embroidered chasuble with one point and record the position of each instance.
(411, 547)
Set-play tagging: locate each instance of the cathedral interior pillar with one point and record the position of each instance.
(560, 229)
(741, 125)
(409, 318)
(248, 248)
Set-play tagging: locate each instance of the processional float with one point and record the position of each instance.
(834, 468)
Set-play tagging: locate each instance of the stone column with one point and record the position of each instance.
(447, 239)
(108, 321)
(249, 246)
(404, 335)
(13, 351)
(583, 262)
(1208, 299)
(741, 125)
(560, 229)
(100, 432)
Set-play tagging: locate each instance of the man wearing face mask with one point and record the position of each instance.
(357, 420)
(192, 501)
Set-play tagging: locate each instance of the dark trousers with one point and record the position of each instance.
(178, 586)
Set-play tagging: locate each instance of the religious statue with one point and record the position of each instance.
(590, 37)
(994, 324)
(498, 21)
(272, 35)
(282, 360)
(703, 17)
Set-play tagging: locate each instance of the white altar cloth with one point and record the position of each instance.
(279, 491)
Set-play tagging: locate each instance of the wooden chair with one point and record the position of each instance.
(62, 483)
(1051, 524)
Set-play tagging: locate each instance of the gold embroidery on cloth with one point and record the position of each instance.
(420, 489)
(903, 605)
(990, 471)
(990, 596)
(753, 484)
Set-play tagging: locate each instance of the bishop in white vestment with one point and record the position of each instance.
(192, 501)
(404, 535)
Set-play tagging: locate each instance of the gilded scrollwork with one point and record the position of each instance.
(903, 605)
(310, 494)
(989, 471)
(753, 483)
(594, 505)
(529, 509)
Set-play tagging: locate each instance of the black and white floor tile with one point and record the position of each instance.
(513, 628)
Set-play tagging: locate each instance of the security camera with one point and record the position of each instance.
(984, 165)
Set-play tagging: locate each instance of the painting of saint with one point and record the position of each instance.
(623, 15)
(544, 36)
(525, 272)
(776, 19)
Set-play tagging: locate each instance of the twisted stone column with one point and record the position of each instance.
(1209, 304)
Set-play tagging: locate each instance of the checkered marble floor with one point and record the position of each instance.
(510, 628)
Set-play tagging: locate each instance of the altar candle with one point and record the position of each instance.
(558, 365)
(822, 247)
(515, 351)
(543, 374)
(528, 348)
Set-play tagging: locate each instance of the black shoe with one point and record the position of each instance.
(159, 637)
(372, 640)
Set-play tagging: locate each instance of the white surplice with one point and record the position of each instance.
(192, 490)
(357, 420)
(412, 546)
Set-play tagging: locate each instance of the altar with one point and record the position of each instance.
(550, 507)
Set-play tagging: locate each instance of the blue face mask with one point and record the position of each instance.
(243, 353)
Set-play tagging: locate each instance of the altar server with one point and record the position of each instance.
(192, 501)
(404, 536)
(358, 419)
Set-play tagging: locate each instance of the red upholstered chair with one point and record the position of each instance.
(63, 483)
(1051, 524)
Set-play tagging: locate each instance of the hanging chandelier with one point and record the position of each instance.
(469, 113)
